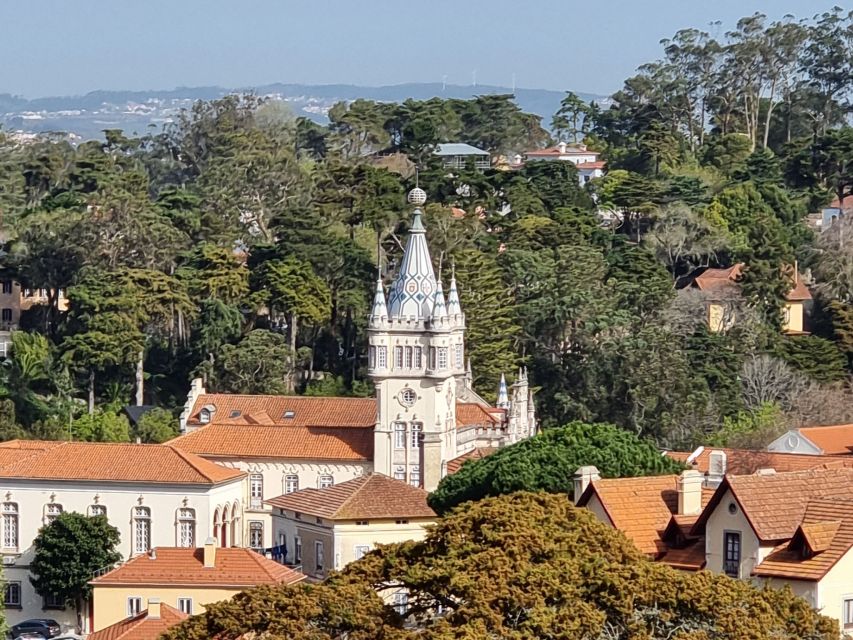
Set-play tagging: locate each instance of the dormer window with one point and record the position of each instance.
(234, 413)
(289, 415)
(204, 415)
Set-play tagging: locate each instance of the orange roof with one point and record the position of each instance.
(836, 439)
(775, 503)
(719, 280)
(742, 462)
(475, 454)
(555, 151)
(689, 558)
(308, 411)
(141, 626)
(233, 567)
(370, 497)
(472, 413)
(115, 462)
(254, 441)
(822, 539)
(598, 164)
(641, 508)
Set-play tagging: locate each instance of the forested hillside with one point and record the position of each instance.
(240, 244)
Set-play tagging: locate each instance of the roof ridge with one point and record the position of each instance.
(256, 558)
(186, 457)
(362, 482)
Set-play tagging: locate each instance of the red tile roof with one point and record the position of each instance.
(822, 539)
(472, 413)
(598, 164)
(641, 508)
(774, 504)
(720, 280)
(742, 462)
(233, 567)
(833, 439)
(141, 626)
(370, 497)
(555, 151)
(254, 441)
(113, 462)
(475, 454)
(689, 558)
(307, 411)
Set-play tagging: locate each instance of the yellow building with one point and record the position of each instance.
(722, 287)
(186, 579)
(325, 529)
(15, 299)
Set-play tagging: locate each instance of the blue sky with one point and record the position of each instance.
(59, 47)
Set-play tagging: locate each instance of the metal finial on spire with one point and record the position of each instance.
(417, 196)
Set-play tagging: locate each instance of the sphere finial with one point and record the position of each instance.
(417, 196)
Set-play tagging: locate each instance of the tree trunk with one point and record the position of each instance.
(769, 113)
(140, 380)
(91, 391)
(291, 385)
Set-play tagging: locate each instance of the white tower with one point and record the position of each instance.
(416, 352)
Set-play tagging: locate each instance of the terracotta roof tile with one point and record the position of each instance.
(832, 439)
(307, 411)
(641, 508)
(233, 567)
(822, 539)
(119, 462)
(370, 497)
(719, 280)
(475, 454)
(775, 504)
(555, 151)
(254, 441)
(472, 413)
(742, 462)
(141, 626)
(689, 558)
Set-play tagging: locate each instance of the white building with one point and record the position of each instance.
(156, 495)
(424, 417)
(586, 161)
(457, 155)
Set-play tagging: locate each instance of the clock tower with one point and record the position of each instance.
(416, 354)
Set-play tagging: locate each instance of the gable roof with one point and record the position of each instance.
(774, 504)
(372, 496)
(715, 280)
(569, 150)
(742, 462)
(233, 567)
(258, 441)
(641, 508)
(112, 462)
(307, 411)
(827, 533)
(473, 413)
(831, 439)
(141, 626)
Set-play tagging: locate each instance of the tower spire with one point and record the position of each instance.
(503, 395)
(413, 293)
(454, 307)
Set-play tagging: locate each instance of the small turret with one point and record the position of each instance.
(503, 395)
(439, 309)
(454, 307)
(379, 312)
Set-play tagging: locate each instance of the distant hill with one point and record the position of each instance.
(136, 111)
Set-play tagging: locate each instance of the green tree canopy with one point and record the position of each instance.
(548, 462)
(514, 567)
(68, 551)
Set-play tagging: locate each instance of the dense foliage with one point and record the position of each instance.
(239, 244)
(548, 462)
(68, 552)
(516, 567)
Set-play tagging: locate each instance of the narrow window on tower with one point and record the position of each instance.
(418, 358)
(459, 357)
(382, 357)
(408, 357)
(442, 358)
(398, 357)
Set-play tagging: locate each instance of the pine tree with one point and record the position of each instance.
(492, 333)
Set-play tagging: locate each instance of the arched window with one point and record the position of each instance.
(97, 510)
(51, 512)
(141, 529)
(256, 535)
(226, 525)
(10, 525)
(217, 524)
(186, 528)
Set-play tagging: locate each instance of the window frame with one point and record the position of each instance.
(256, 491)
(131, 601)
(415, 476)
(400, 435)
(90, 511)
(141, 516)
(11, 514)
(319, 556)
(256, 527)
(291, 478)
(325, 481)
(443, 358)
(297, 550)
(188, 610)
(409, 357)
(10, 587)
(186, 516)
(846, 612)
(419, 357)
(382, 357)
(732, 566)
(47, 604)
(360, 550)
(398, 357)
(415, 431)
(52, 510)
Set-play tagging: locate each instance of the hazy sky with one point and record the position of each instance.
(58, 47)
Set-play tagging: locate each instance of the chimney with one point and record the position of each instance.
(583, 476)
(154, 608)
(689, 486)
(210, 553)
(562, 147)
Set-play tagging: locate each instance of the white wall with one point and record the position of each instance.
(793, 442)
(722, 520)
(32, 497)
